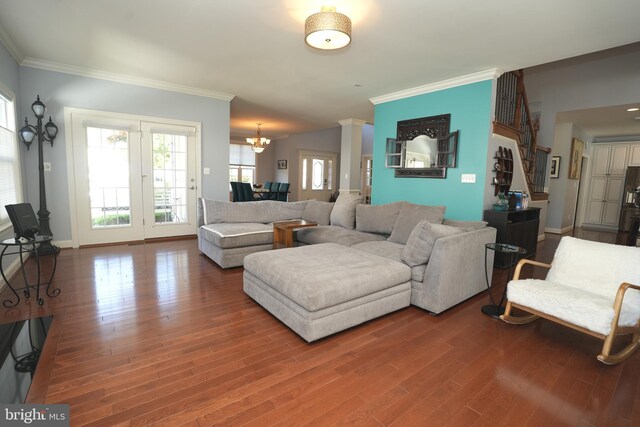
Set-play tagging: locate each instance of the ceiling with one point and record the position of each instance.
(613, 121)
(254, 49)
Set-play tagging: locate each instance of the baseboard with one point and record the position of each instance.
(63, 243)
(558, 230)
(540, 237)
(12, 269)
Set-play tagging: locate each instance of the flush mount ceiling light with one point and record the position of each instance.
(328, 29)
(258, 144)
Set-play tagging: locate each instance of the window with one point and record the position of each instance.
(242, 163)
(9, 172)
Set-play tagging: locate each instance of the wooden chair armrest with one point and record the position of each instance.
(617, 303)
(522, 262)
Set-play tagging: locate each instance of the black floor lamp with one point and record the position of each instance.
(28, 133)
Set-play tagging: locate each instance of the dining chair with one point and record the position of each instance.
(273, 194)
(235, 194)
(283, 192)
(247, 192)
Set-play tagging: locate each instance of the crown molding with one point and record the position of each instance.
(10, 45)
(491, 74)
(123, 78)
(355, 122)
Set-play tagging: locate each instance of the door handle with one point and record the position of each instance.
(192, 187)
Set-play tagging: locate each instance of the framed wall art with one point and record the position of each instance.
(555, 167)
(282, 164)
(575, 161)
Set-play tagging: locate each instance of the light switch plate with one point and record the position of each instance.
(468, 178)
(207, 171)
(47, 166)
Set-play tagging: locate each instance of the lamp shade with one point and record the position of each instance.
(27, 134)
(328, 29)
(51, 129)
(38, 108)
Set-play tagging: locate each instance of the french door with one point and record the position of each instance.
(317, 177)
(134, 179)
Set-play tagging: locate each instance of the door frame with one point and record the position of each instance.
(70, 112)
(310, 153)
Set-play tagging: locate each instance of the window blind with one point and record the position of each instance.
(241, 155)
(8, 158)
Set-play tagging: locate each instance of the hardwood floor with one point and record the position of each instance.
(157, 333)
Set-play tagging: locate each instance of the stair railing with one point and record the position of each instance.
(513, 120)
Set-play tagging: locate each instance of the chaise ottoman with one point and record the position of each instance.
(318, 290)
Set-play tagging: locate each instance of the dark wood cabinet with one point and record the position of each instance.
(515, 227)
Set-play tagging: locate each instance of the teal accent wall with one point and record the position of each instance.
(470, 109)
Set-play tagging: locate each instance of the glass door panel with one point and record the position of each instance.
(169, 174)
(108, 167)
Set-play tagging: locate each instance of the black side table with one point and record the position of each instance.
(514, 252)
(20, 247)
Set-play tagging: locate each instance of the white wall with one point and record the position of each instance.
(327, 140)
(59, 90)
(597, 80)
(367, 139)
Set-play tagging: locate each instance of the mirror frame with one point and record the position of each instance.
(436, 127)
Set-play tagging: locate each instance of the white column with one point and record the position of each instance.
(350, 155)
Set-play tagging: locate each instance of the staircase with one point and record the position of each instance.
(513, 120)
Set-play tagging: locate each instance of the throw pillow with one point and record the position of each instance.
(344, 210)
(377, 218)
(410, 215)
(317, 211)
(422, 239)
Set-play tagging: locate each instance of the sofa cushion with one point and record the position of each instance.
(377, 218)
(410, 215)
(392, 251)
(334, 234)
(582, 308)
(318, 211)
(237, 235)
(383, 248)
(344, 210)
(422, 239)
(265, 211)
(467, 225)
(314, 277)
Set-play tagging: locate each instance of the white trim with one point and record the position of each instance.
(123, 78)
(491, 74)
(10, 45)
(558, 230)
(353, 122)
(246, 233)
(12, 269)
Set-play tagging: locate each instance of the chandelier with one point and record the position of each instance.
(258, 144)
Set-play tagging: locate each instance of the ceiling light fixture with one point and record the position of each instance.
(258, 144)
(328, 29)
(633, 109)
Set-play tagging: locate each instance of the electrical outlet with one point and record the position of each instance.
(468, 178)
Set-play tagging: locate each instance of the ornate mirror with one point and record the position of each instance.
(423, 147)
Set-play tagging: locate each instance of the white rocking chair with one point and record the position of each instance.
(588, 288)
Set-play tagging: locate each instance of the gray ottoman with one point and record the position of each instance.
(318, 290)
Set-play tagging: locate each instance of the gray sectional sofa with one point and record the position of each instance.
(442, 260)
